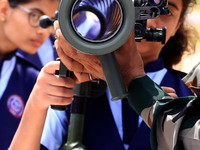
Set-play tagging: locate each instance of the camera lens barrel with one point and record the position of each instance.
(156, 35)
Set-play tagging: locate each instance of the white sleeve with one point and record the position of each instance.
(55, 129)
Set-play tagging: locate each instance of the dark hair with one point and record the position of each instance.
(16, 2)
(176, 45)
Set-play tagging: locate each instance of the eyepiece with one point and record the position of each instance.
(46, 21)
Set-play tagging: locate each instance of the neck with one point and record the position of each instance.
(6, 46)
(147, 60)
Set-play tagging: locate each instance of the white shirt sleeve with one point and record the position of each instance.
(55, 129)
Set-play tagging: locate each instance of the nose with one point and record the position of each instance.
(151, 23)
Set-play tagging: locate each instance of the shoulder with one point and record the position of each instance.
(178, 73)
(174, 75)
(173, 78)
(25, 67)
(32, 59)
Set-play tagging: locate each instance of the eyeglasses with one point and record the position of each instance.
(34, 16)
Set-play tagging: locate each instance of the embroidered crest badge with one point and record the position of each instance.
(15, 105)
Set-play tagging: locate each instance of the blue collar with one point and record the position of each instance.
(155, 65)
(7, 57)
(34, 59)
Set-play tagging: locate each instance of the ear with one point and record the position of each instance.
(4, 6)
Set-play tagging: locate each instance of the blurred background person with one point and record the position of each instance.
(19, 29)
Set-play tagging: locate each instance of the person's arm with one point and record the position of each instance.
(48, 90)
(159, 111)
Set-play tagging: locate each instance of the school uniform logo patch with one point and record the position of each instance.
(15, 105)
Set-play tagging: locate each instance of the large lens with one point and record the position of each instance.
(96, 20)
(87, 24)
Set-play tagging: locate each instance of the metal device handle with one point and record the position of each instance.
(113, 76)
(63, 72)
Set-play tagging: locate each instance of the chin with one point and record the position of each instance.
(31, 51)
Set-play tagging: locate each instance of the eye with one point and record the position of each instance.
(35, 15)
(170, 13)
(174, 9)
